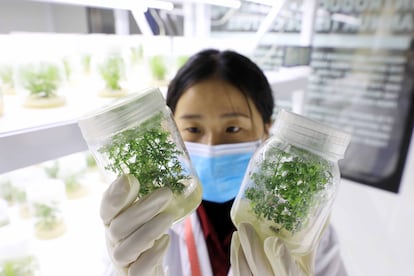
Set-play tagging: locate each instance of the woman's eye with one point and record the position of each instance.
(193, 129)
(233, 129)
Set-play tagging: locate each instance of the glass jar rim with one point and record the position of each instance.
(119, 114)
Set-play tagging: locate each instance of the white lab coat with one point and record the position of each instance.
(176, 261)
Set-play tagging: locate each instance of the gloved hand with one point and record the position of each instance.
(136, 230)
(252, 256)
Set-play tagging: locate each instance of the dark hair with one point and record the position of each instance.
(232, 67)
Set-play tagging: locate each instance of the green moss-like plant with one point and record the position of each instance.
(74, 187)
(288, 186)
(47, 215)
(90, 161)
(111, 71)
(11, 193)
(158, 67)
(147, 153)
(41, 80)
(52, 169)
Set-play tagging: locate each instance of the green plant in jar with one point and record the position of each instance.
(42, 80)
(137, 135)
(291, 181)
(47, 215)
(49, 223)
(147, 153)
(11, 193)
(73, 186)
(158, 67)
(111, 70)
(287, 186)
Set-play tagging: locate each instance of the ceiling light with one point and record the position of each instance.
(117, 4)
(235, 4)
(263, 2)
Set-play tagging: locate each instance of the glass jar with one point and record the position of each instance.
(46, 199)
(291, 182)
(137, 135)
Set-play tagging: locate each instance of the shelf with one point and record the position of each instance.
(34, 145)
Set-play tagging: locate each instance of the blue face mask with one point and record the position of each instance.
(221, 168)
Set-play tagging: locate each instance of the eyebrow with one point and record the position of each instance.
(225, 115)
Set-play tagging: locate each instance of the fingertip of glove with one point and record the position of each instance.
(121, 192)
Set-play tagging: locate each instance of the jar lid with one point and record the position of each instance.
(119, 114)
(310, 134)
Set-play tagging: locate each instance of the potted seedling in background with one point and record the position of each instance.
(46, 198)
(74, 186)
(158, 69)
(42, 80)
(6, 80)
(112, 71)
(49, 223)
(71, 170)
(14, 195)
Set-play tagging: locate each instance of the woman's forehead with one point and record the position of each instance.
(214, 95)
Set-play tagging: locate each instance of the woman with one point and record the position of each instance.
(222, 102)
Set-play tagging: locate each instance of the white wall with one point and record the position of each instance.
(376, 227)
(27, 16)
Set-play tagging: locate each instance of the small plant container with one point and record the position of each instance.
(137, 135)
(291, 182)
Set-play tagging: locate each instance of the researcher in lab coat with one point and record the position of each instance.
(220, 100)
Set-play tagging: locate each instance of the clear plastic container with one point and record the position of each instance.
(137, 135)
(291, 182)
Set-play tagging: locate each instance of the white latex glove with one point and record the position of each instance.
(136, 230)
(251, 256)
